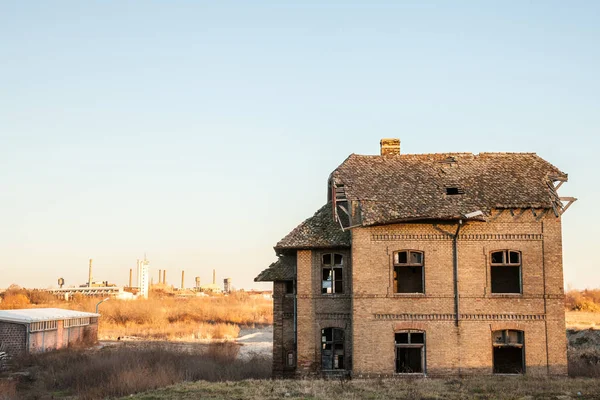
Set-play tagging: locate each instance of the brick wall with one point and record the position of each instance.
(538, 311)
(14, 337)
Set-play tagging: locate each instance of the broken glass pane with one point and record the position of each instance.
(416, 258)
(401, 337)
(417, 337)
(326, 259)
(337, 259)
(514, 257)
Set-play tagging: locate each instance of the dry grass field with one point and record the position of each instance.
(162, 316)
(525, 388)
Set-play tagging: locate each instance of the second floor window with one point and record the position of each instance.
(408, 272)
(506, 271)
(333, 273)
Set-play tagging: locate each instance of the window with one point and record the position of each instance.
(451, 191)
(68, 323)
(43, 326)
(506, 271)
(290, 359)
(332, 349)
(408, 272)
(410, 352)
(289, 287)
(333, 274)
(509, 352)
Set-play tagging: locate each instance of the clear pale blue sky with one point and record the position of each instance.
(203, 132)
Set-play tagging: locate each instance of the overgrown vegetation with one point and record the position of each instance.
(162, 316)
(123, 370)
(583, 300)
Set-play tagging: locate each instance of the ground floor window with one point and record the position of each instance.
(332, 349)
(410, 352)
(509, 352)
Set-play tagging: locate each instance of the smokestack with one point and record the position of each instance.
(390, 147)
(214, 276)
(182, 275)
(164, 277)
(159, 274)
(197, 282)
(90, 277)
(130, 276)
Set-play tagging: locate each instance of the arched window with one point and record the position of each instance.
(409, 271)
(410, 352)
(333, 273)
(509, 351)
(332, 349)
(505, 271)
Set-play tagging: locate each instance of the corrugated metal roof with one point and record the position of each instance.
(41, 314)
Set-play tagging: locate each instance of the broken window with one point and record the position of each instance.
(410, 352)
(332, 273)
(408, 272)
(506, 271)
(289, 287)
(332, 349)
(509, 352)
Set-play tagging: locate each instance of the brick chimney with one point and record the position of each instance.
(390, 147)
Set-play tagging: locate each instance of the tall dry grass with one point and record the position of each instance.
(123, 370)
(583, 300)
(161, 317)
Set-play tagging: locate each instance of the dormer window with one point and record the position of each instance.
(454, 190)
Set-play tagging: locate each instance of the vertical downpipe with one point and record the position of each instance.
(545, 300)
(456, 296)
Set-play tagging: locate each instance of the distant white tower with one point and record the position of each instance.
(143, 276)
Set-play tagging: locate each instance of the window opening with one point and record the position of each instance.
(332, 273)
(410, 352)
(332, 349)
(506, 271)
(289, 287)
(509, 352)
(408, 272)
(451, 191)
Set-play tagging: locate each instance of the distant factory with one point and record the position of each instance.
(143, 286)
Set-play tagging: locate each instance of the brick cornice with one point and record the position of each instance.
(464, 237)
(463, 317)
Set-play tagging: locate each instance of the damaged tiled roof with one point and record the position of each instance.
(414, 186)
(318, 231)
(284, 269)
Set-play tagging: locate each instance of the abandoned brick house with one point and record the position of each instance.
(430, 264)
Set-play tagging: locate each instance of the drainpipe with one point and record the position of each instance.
(455, 262)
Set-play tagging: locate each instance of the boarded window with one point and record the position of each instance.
(509, 352)
(332, 273)
(408, 272)
(505, 271)
(410, 352)
(332, 349)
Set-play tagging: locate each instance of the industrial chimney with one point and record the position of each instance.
(130, 276)
(182, 280)
(159, 275)
(90, 277)
(214, 276)
(164, 277)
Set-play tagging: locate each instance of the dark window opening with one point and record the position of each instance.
(454, 190)
(332, 274)
(408, 272)
(509, 351)
(332, 349)
(410, 347)
(506, 271)
(289, 287)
